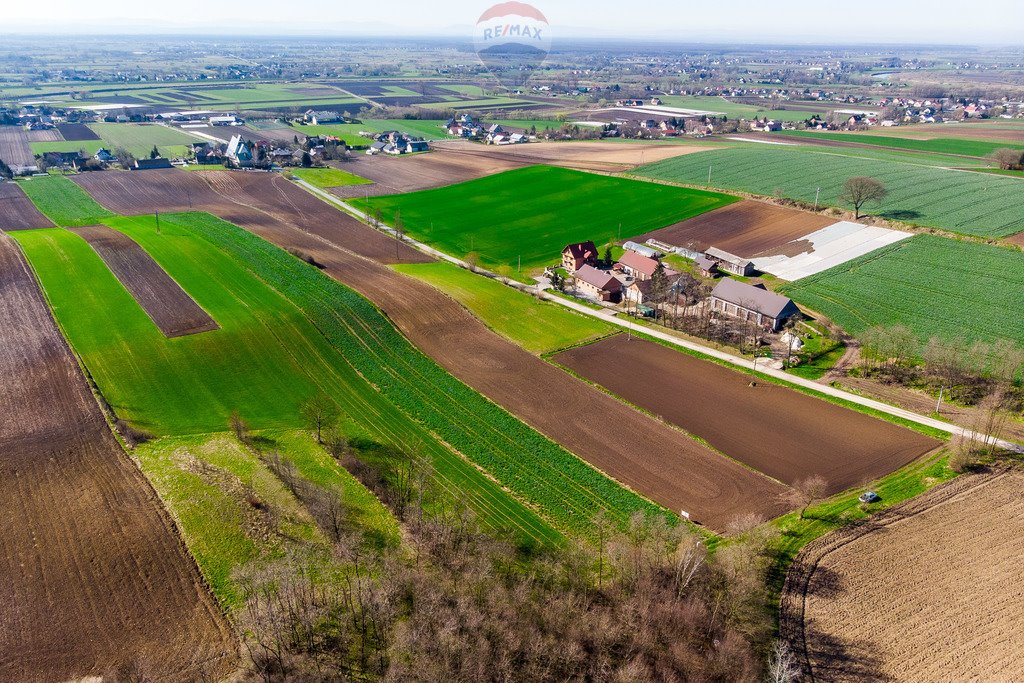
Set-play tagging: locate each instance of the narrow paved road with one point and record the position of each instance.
(736, 361)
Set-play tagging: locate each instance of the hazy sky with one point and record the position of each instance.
(915, 21)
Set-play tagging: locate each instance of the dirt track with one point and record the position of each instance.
(17, 212)
(783, 433)
(656, 460)
(94, 573)
(745, 228)
(927, 591)
(166, 303)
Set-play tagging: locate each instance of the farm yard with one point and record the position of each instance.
(651, 458)
(976, 204)
(166, 303)
(786, 434)
(17, 212)
(531, 213)
(902, 598)
(745, 228)
(110, 556)
(936, 286)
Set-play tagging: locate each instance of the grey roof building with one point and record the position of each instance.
(753, 303)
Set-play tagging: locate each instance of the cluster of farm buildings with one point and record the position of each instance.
(632, 280)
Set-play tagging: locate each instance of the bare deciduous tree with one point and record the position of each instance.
(1009, 159)
(808, 490)
(319, 412)
(782, 665)
(860, 190)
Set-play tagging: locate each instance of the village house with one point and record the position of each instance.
(318, 118)
(149, 164)
(597, 284)
(575, 256)
(638, 266)
(753, 303)
(104, 155)
(239, 152)
(707, 267)
(730, 263)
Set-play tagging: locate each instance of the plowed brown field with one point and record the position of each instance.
(611, 157)
(17, 212)
(166, 303)
(746, 228)
(652, 458)
(14, 147)
(781, 432)
(926, 592)
(94, 574)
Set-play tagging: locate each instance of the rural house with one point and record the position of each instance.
(149, 164)
(575, 256)
(753, 303)
(707, 267)
(730, 263)
(239, 152)
(598, 284)
(637, 265)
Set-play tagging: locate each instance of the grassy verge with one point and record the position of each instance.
(327, 177)
(538, 326)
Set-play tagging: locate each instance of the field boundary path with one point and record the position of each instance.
(735, 361)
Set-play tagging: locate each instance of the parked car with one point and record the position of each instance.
(869, 497)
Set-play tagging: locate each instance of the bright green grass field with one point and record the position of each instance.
(136, 138)
(960, 201)
(935, 286)
(967, 147)
(534, 212)
(327, 177)
(63, 202)
(287, 333)
(537, 326)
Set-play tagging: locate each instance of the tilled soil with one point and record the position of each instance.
(649, 456)
(163, 299)
(77, 131)
(584, 155)
(745, 228)
(95, 576)
(781, 432)
(14, 147)
(17, 212)
(924, 592)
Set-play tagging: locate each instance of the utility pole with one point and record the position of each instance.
(519, 268)
(157, 222)
(939, 402)
(816, 195)
(709, 175)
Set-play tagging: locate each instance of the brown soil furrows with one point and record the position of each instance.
(14, 147)
(129, 193)
(654, 459)
(94, 573)
(77, 131)
(746, 228)
(926, 591)
(47, 135)
(781, 432)
(17, 212)
(163, 299)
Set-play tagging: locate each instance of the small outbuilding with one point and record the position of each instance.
(730, 263)
(149, 164)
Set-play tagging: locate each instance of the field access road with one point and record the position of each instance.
(735, 361)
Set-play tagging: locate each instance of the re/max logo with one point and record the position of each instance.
(512, 30)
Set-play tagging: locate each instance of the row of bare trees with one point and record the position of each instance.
(642, 600)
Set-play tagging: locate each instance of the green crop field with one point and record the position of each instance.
(935, 286)
(533, 212)
(287, 333)
(960, 201)
(138, 139)
(327, 177)
(63, 202)
(964, 146)
(536, 325)
(736, 110)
